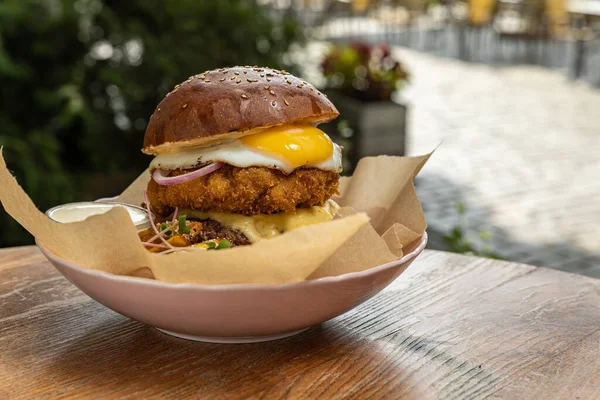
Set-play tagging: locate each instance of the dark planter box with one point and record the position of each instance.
(377, 127)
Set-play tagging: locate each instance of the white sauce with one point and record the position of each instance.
(75, 212)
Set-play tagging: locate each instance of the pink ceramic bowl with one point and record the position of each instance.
(233, 313)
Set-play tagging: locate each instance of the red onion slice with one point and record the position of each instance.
(174, 180)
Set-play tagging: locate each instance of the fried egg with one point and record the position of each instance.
(285, 147)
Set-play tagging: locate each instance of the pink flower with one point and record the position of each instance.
(385, 49)
(363, 49)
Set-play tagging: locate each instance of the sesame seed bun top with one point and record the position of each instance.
(228, 103)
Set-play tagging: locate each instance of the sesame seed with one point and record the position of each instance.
(249, 80)
(174, 90)
(269, 74)
(262, 75)
(201, 77)
(237, 73)
(184, 106)
(319, 93)
(299, 86)
(176, 86)
(246, 66)
(222, 79)
(268, 80)
(312, 90)
(245, 72)
(238, 81)
(272, 92)
(232, 78)
(225, 71)
(207, 81)
(190, 78)
(158, 109)
(244, 96)
(289, 82)
(267, 87)
(286, 102)
(273, 103)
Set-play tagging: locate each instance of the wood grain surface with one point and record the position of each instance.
(451, 327)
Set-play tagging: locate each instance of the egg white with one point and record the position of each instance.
(237, 154)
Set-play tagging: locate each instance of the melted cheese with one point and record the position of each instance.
(264, 226)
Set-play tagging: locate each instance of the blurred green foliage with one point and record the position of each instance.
(458, 242)
(80, 79)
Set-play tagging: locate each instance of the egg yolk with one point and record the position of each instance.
(297, 145)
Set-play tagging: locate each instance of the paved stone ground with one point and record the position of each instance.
(521, 144)
(521, 149)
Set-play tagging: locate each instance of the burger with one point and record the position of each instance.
(238, 158)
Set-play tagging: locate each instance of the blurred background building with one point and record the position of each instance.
(509, 87)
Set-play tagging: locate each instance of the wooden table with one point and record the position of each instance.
(451, 327)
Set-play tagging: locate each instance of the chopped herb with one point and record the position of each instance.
(183, 228)
(224, 244)
(164, 226)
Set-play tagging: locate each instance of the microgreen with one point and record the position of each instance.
(183, 228)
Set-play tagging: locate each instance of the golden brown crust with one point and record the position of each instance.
(229, 102)
(254, 190)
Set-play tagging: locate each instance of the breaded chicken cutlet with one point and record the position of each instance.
(248, 191)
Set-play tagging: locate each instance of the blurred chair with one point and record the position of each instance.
(481, 11)
(434, 23)
(583, 30)
(558, 17)
(472, 19)
(560, 30)
(522, 24)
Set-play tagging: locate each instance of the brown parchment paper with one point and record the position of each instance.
(381, 190)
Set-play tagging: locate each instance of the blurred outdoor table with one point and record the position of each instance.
(584, 7)
(450, 327)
